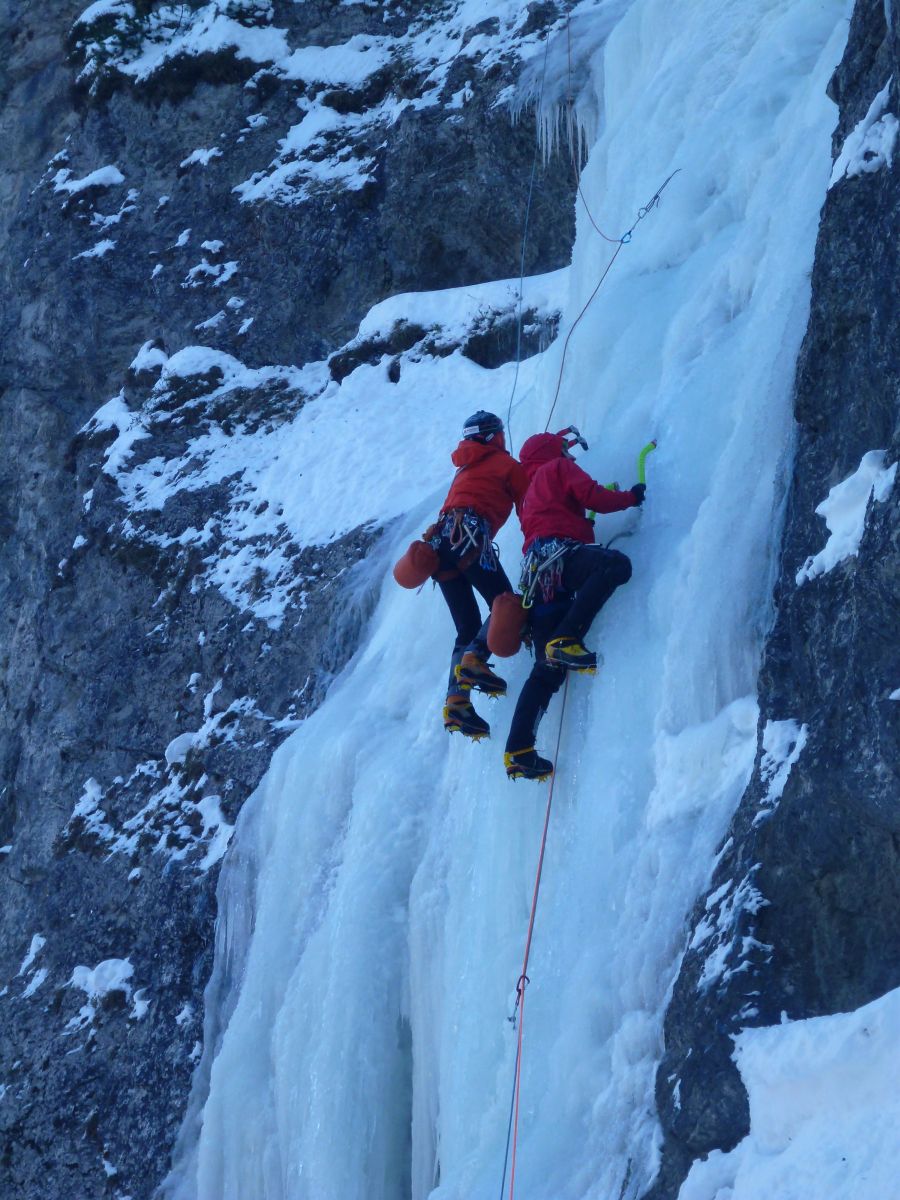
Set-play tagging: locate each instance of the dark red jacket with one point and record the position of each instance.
(560, 491)
(489, 480)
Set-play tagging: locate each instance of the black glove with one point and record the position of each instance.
(639, 490)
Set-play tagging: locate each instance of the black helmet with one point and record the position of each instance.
(481, 427)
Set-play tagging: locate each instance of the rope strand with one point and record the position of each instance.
(518, 1016)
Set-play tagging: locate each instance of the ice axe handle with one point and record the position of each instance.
(642, 461)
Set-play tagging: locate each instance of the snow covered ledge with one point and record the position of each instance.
(824, 1111)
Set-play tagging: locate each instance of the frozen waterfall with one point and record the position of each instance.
(376, 897)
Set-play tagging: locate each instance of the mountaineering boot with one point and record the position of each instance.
(474, 672)
(568, 652)
(461, 717)
(527, 764)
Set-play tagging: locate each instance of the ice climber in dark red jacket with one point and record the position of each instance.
(569, 579)
(487, 485)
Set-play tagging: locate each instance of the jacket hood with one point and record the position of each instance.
(539, 449)
(469, 452)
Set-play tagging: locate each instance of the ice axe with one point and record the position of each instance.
(642, 478)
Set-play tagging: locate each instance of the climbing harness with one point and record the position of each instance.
(518, 1016)
(542, 569)
(467, 535)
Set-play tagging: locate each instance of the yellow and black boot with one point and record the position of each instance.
(568, 652)
(461, 717)
(527, 764)
(474, 672)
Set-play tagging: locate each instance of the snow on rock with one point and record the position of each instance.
(844, 510)
(140, 1004)
(286, 475)
(148, 358)
(212, 322)
(174, 31)
(37, 977)
(105, 8)
(177, 749)
(37, 944)
(219, 273)
(202, 156)
(726, 952)
(870, 146)
(97, 251)
(35, 982)
(824, 1111)
(103, 177)
(782, 743)
(110, 975)
(181, 817)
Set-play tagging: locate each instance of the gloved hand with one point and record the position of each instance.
(639, 490)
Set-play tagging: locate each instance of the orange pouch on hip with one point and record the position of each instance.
(417, 565)
(507, 625)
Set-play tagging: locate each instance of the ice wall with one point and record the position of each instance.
(367, 1052)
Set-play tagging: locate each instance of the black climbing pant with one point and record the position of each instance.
(590, 575)
(459, 592)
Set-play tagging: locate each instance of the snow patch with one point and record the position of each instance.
(202, 156)
(844, 510)
(148, 358)
(110, 975)
(870, 146)
(97, 251)
(727, 953)
(140, 1004)
(103, 177)
(105, 8)
(37, 944)
(35, 982)
(782, 744)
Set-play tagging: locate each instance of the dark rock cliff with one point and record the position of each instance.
(802, 915)
(141, 699)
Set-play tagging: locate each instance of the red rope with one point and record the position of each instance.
(523, 979)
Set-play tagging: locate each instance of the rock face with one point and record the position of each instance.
(196, 216)
(802, 915)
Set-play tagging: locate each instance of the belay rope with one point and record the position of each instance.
(538, 572)
(534, 566)
(512, 1131)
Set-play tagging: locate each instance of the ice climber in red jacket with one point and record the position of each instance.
(487, 485)
(569, 579)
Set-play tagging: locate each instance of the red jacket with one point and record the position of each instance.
(489, 480)
(560, 491)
